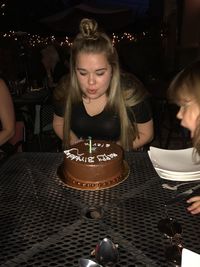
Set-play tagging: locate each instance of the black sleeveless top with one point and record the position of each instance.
(105, 125)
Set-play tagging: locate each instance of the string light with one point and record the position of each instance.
(38, 40)
(2, 7)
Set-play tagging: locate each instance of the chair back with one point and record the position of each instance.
(46, 117)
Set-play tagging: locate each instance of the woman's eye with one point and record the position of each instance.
(83, 73)
(100, 73)
(182, 105)
(185, 106)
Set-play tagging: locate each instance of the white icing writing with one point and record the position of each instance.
(94, 145)
(74, 154)
(105, 157)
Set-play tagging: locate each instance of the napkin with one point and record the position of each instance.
(190, 258)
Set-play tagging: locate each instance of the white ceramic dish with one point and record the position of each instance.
(196, 173)
(174, 161)
(177, 178)
(178, 174)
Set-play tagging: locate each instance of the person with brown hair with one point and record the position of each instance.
(96, 104)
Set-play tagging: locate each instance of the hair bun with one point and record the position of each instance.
(88, 28)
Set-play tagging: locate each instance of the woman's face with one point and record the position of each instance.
(93, 73)
(189, 113)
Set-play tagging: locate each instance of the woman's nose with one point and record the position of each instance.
(91, 79)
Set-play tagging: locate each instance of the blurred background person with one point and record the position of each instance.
(54, 65)
(7, 115)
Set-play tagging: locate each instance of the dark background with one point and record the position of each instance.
(26, 15)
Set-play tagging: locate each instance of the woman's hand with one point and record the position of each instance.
(194, 208)
(74, 139)
(146, 133)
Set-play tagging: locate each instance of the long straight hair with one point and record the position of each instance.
(91, 40)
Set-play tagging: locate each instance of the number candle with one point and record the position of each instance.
(90, 144)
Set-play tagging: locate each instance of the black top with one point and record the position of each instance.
(105, 125)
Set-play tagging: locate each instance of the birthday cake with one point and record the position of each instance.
(92, 168)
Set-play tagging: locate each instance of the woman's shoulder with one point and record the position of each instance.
(142, 111)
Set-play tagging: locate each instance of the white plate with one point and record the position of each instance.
(174, 161)
(176, 173)
(177, 178)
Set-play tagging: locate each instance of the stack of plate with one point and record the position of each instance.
(175, 165)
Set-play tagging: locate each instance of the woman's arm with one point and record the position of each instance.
(7, 115)
(58, 123)
(73, 138)
(146, 133)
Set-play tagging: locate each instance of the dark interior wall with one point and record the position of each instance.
(144, 59)
(156, 7)
(8, 59)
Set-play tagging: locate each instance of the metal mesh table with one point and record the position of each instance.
(44, 223)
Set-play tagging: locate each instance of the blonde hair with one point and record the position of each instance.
(187, 83)
(91, 40)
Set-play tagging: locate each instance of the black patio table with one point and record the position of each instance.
(31, 98)
(44, 223)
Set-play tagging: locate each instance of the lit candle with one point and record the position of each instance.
(90, 144)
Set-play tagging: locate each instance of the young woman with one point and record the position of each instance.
(96, 104)
(184, 90)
